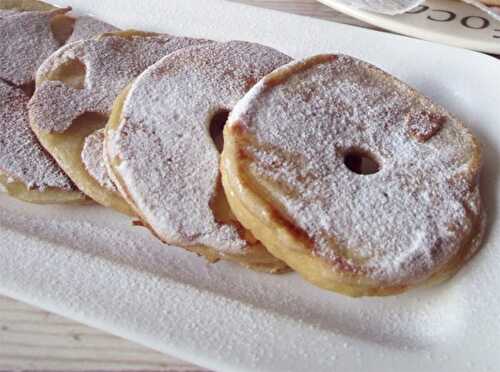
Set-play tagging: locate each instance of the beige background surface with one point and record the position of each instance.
(35, 339)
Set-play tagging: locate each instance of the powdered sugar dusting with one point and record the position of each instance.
(170, 164)
(21, 156)
(94, 161)
(86, 27)
(397, 226)
(411, 322)
(422, 125)
(7, 12)
(111, 63)
(26, 42)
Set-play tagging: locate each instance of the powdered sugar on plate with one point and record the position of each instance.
(167, 293)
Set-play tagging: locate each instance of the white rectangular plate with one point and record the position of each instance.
(90, 264)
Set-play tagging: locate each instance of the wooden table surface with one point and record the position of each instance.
(35, 339)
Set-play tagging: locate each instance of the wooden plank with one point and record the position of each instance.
(35, 339)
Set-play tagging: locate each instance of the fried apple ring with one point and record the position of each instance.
(357, 181)
(75, 90)
(165, 161)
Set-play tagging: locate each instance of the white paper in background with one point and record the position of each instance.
(391, 7)
(394, 7)
(493, 11)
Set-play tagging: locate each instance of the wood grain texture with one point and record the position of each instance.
(34, 339)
